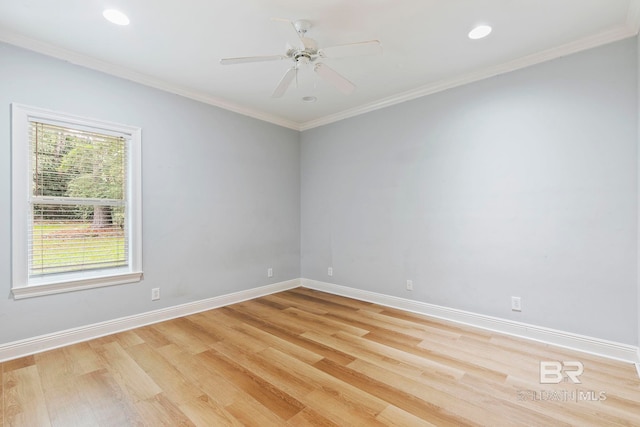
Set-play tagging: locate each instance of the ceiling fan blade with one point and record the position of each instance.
(370, 47)
(285, 82)
(332, 77)
(248, 59)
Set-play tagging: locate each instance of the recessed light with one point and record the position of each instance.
(116, 17)
(309, 99)
(479, 32)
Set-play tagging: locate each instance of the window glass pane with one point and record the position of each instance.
(74, 163)
(68, 238)
(78, 203)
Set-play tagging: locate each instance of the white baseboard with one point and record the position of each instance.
(42, 343)
(609, 349)
(600, 347)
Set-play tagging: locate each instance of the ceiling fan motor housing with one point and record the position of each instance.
(303, 57)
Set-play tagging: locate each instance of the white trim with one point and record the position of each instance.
(22, 286)
(75, 285)
(42, 343)
(596, 40)
(134, 76)
(599, 347)
(628, 29)
(590, 345)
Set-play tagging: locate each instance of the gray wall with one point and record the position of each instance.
(221, 195)
(524, 184)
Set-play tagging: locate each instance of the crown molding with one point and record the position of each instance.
(630, 28)
(134, 76)
(610, 36)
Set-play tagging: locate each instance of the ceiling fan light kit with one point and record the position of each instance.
(306, 53)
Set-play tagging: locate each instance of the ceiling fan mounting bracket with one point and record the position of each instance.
(302, 26)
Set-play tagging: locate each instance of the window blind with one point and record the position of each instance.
(78, 201)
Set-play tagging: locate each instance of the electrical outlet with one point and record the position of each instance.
(409, 285)
(516, 304)
(269, 272)
(155, 294)
(330, 271)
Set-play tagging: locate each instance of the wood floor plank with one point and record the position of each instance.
(396, 396)
(342, 412)
(406, 327)
(278, 401)
(225, 331)
(250, 412)
(54, 368)
(110, 405)
(201, 413)
(292, 302)
(182, 333)
(409, 345)
(443, 407)
(310, 418)
(220, 390)
(359, 403)
(152, 337)
(68, 407)
(194, 391)
(82, 358)
(334, 302)
(289, 335)
(307, 358)
(322, 324)
(204, 380)
(458, 351)
(270, 315)
(128, 373)
(19, 363)
(351, 345)
(24, 398)
(394, 416)
(162, 411)
(264, 366)
(283, 345)
(168, 375)
(127, 339)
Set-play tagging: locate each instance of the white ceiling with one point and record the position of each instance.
(176, 45)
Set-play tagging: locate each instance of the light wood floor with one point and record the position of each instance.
(303, 357)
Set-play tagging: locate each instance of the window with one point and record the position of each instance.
(75, 203)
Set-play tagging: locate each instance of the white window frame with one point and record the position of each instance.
(22, 286)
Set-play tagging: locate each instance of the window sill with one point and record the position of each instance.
(74, 285)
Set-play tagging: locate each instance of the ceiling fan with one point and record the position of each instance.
(307, 53)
